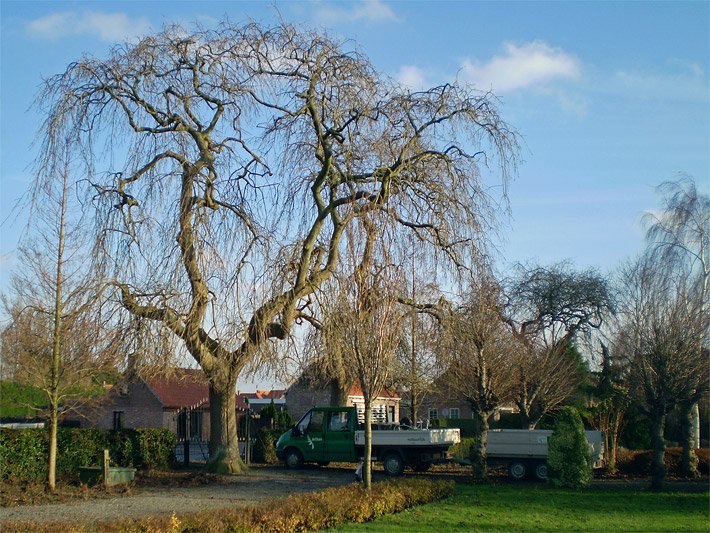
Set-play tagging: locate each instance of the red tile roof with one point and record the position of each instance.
(276, 394)
(183, 387)
(187, 388)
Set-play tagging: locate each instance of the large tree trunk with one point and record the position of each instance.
(367, 464)
(477, 453)
(689, 461)
(224, 446)
(338, 392)
(658, 465)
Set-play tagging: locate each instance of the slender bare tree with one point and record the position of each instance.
(364, 328)
(57, 338)
(225, 165)
(417, 366)
(478, 354)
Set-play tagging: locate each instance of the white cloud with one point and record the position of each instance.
(520, 67)
(412, 77)
(109, 27)
(360, 10)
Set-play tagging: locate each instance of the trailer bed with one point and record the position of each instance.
(411, 437)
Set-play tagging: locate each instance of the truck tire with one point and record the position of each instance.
(541, 471)
(293, 459)
(393, 464)
(517, 470)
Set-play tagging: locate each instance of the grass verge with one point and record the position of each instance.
(542, 508)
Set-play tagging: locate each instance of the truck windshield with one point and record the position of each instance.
(311, 421)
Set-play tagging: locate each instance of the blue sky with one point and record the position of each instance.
(610, 98)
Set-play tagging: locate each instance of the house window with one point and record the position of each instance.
(453, 412)
(196, 425)
(433, 413)
(119, 420)
(390, 414)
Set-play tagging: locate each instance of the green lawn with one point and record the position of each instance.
(542, 508)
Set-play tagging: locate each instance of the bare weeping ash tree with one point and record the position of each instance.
(223, 167)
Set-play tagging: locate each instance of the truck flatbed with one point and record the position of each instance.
(410, 437)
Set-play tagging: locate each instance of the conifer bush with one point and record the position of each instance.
(569, 461)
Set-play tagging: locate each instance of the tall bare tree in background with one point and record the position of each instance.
(237, 157)
(417, 366)
(57, 338)
(548, 308)
(478, 354)
(679, 239)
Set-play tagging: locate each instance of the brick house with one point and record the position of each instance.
(441, 402)
(178, 401)
(306, 393)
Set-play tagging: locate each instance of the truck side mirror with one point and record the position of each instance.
(295, 432)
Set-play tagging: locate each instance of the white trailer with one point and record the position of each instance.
(524, 451)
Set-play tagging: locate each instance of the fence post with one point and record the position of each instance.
(106, 469)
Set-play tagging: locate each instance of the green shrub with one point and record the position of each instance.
(569, 462)
(23, 452)
(463, 448)
(466, 425)
(265, 447)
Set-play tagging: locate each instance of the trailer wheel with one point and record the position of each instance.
(517, 470)
(541, 471)
(393, 464)
(293, 459)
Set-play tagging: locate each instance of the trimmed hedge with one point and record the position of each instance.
(638, 462)
(302, 512)
(23, 452)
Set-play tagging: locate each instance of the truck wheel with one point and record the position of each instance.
(393, 464)
(541, 471)
(517, 470)
(293, 459)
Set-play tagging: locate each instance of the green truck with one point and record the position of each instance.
(332, 434)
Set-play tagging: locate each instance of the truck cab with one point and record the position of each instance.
(322, 435)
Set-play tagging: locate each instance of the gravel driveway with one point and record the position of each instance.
(260, 484)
